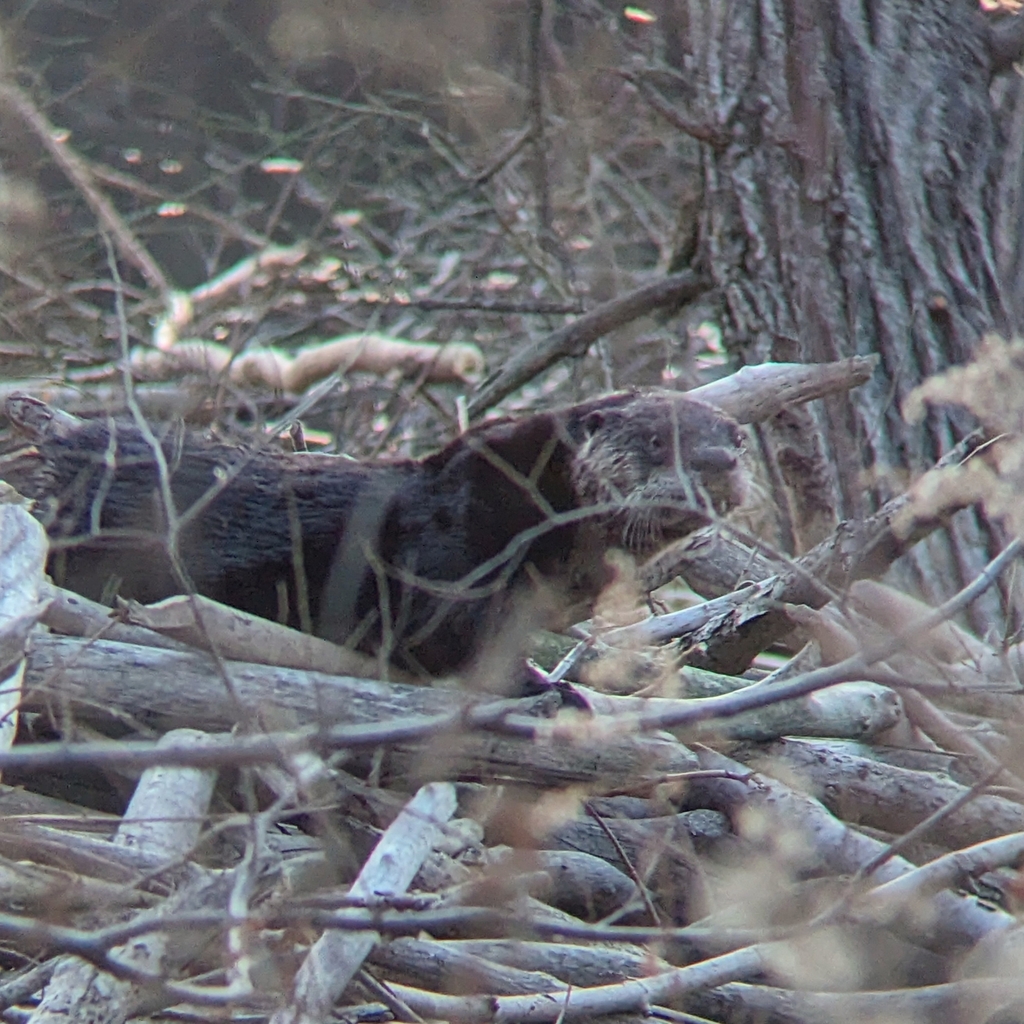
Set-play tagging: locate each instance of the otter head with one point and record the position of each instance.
(667, 464)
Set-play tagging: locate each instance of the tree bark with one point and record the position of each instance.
(862, 194)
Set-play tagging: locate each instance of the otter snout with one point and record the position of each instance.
(716, 460)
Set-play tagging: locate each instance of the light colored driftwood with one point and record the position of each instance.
(170, 689)
(863, 790)
(755, 393)
(635, 995)
(23, 549)
(164, 816)
(74, 615)
(559, 761)
(174, 689)
(336, 955)
(857, 710)
(168, 808)
(239, 636)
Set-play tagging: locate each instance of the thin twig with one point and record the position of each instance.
(577, 337)
(630, 867)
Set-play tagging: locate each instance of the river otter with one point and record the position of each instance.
(416, 556)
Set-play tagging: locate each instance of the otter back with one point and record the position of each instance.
(418, 556)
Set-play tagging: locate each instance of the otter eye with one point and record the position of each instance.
(655, 443)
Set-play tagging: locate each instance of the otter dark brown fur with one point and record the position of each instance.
(431, 548)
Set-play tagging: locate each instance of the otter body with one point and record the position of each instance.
(417, 556)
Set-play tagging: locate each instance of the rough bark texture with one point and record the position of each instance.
(863, 196)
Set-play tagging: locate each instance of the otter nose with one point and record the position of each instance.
(718, 460)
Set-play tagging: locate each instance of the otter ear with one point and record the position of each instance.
(593, 422)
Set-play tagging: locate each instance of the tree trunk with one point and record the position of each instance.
(862, 194)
